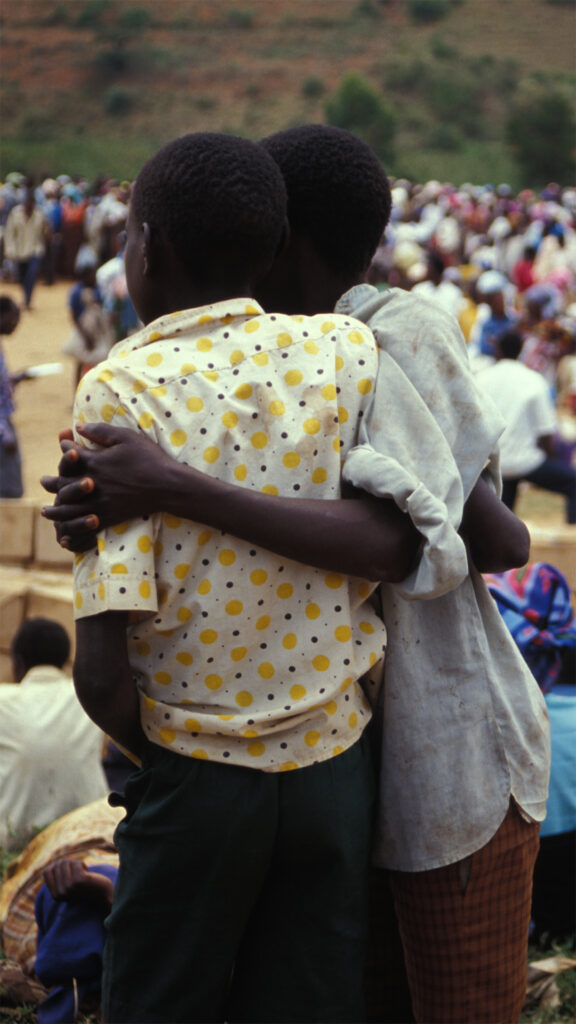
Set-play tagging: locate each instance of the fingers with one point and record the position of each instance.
(50, 484)
(103, 434)
(78, 534)
(65, 877)
(66, 435)
(69, 492)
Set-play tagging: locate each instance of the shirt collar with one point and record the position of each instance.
(190, 320)
(44, 674)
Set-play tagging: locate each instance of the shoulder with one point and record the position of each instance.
(320, 329)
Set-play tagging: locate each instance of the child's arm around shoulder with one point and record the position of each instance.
(103, 678)
(497, 539)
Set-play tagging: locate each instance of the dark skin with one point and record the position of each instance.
(70, 881)
(358, 535)
(131, 476)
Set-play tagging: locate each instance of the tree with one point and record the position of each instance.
(357, 107)
(541, 130)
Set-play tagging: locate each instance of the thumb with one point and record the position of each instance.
(102, 433)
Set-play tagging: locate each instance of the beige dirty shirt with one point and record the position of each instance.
(464, 724)
(240, 656)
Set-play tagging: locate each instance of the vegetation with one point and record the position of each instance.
(357, 107)
(541, 128)
(431, 84)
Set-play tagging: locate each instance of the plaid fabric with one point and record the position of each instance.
(464, 930)
(85, 834)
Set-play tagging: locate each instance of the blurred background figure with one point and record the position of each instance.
(50, 751)
(53, 902)
(535, 603)
(527, 446)
(25, 240)
(92, 336)
(10, 459)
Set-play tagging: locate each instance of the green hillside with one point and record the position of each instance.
(94, 86)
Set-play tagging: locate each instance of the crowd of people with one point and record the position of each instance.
(232, 623)
(496, 260)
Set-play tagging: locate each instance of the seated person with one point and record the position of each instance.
(70, 909)
(50, 751)
(536, 605)
(52, 902)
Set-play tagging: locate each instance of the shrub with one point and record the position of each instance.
(34, 127)
(541, 131)
(205, 102)
(114, 61)
(366, 9)
(135, 19)
(406, 74)
(427, 11)
(312, 87)
(442, 50)
(240, 19)
(118, 101)
(457, 100)
(446, 138)
(357, 107)
(91, 13)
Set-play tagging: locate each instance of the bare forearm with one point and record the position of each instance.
(103, 679)
(131, 476)
(498, 540)
(360, 536)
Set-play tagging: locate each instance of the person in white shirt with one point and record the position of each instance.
(526, 447)
(50, 751)
(27, 232)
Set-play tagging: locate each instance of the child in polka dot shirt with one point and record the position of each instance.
(229, 670)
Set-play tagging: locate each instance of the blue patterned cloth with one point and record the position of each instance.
(535, 603)
(69, 953)
(6, 404)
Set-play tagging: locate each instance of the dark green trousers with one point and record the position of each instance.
(242, 894)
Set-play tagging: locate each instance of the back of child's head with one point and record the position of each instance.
(41, 642)
(9, 315)
(220, 202)
(509, 345)
(338, 194)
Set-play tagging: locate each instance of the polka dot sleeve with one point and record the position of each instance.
(119, 574)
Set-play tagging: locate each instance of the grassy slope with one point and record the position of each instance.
(70, 105)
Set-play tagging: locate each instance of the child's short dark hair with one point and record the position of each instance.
(510, 344)
(41, 642)
(7, 305)
(219, 200)
(338, 193)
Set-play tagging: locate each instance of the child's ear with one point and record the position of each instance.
(155, 250)
(284, 240)
(148, 254)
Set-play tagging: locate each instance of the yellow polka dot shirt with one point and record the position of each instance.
(240, 656)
